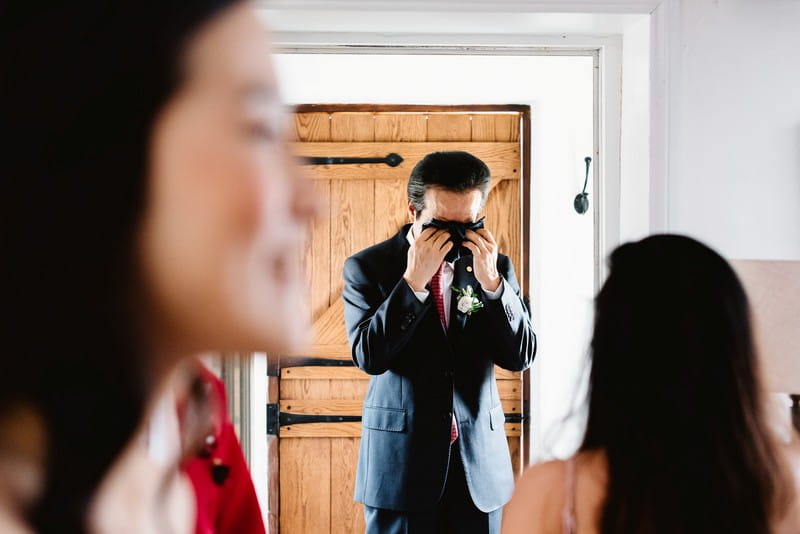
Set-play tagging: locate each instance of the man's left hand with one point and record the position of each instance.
(484, 252)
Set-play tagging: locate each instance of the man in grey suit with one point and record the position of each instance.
(429, 318)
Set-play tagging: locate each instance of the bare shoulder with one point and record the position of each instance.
(793, 451)
(537, 496)
(793, 459)
(542, 475)
(790, 522)
(10, 524)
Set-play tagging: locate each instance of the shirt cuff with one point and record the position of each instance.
(494, 295)
(422, 296)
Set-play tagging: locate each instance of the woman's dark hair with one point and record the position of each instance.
(453, 171)
(80, 89)
(675, 398)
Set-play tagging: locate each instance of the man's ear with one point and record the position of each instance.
(412, 213)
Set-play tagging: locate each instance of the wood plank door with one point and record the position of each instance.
(320, 393)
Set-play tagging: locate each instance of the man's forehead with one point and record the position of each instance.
(448, 205)
(453, 198)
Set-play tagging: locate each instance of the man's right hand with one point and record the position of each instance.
(426, 256)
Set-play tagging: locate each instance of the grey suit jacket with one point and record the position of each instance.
(422, 375)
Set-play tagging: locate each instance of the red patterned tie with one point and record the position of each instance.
(436, 288)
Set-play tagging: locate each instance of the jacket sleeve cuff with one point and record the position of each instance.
(497, 293)
(512, 306)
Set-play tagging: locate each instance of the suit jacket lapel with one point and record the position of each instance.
(395, 263)
(400, 242)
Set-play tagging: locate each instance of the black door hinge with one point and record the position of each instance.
(276, 419)
(273, 423)
(392, 160)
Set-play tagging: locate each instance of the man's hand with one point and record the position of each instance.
(426, 256)
(484, 252)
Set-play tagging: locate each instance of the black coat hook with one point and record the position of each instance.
(581, 201)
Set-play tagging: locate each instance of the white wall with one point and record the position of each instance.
(559, 89)
(732, 172)
(634, 208)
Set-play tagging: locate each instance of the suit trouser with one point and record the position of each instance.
(455, 513)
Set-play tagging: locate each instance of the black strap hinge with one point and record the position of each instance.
(392, 160)
(277, 419)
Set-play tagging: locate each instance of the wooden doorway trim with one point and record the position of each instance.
(525, 287)
(409, 108)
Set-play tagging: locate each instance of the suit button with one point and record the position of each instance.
(407, 320)
(449, 373)
(447, 416)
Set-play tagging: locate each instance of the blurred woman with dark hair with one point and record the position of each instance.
(677, 441)
(149, 212)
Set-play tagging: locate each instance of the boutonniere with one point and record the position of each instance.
(467, 300)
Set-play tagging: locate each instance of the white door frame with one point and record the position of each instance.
(606, 124)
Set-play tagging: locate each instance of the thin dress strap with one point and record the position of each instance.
(568, 513)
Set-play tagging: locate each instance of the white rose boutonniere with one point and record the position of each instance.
(467, 300)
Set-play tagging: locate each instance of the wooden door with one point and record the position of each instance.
(320, 393)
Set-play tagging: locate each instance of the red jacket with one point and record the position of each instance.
(226, 498)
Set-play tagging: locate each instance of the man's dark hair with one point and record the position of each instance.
(453, 171)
